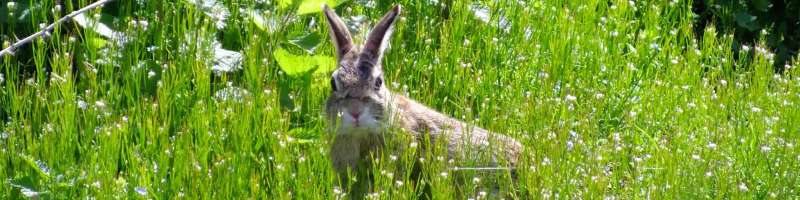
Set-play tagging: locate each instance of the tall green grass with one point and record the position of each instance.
(612, 99)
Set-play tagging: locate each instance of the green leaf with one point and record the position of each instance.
(326, 64)
(97, 27)
(745, 20)
(27, 186)
(308, 41)
(38, 166)
(226, 61)
(292, 64)
(27, 181)
(269, 24)
(761, 5)
(97, 42)
(295, 65)
(313, 6)
(283, 4)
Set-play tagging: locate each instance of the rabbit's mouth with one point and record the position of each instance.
(359, 122)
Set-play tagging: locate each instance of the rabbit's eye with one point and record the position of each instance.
(378, 83)
(333, 84)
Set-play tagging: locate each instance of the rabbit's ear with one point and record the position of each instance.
(378, 39)
(338, 32)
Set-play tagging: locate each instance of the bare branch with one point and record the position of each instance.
(46, 30)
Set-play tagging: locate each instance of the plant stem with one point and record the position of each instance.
(10, 49)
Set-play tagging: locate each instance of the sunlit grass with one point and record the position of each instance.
(612, 100)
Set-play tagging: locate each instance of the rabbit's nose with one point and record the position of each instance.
(355, 114)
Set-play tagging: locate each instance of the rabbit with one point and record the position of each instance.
(364, 107)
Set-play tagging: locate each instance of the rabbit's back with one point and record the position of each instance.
(465, 143)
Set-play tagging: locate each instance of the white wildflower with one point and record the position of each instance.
(743, 187)
(712, 146)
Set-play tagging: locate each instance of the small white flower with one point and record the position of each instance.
(654, 46)
(11, 5)
(144, 24)
(599, 96)
(743, 187)
(632, 113)
(337, 191)
(141, 190)
(29, 193)
(96, 184)
(82, 105)
(765, 149)
(712, 146)
(100, 104)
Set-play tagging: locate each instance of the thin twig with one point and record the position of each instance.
(10, 49)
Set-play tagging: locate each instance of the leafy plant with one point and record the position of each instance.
(775, 20)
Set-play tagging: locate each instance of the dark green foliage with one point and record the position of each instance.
(778, 21)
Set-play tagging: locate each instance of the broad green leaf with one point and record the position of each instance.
(258, 20)
(226, 61)
(326, 64)
(747, 21)
(269, 24)
(307, 41)
(292, 64)
(27, 186)
(313, 6)
(38, 166)
(295, 65)
(97, 27)
(97, 43)
(284, 3)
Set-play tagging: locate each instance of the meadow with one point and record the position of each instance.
(224, 99)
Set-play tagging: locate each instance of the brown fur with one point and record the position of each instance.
(461, 137)
(357, 87)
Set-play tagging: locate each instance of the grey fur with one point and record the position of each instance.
(356, 90)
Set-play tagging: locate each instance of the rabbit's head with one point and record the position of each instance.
(359, 98)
